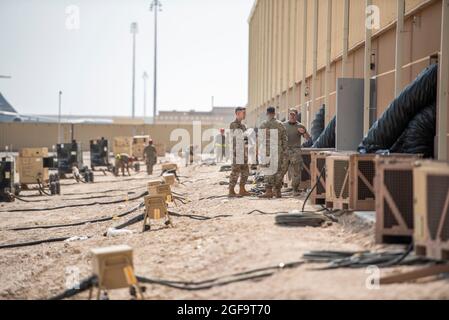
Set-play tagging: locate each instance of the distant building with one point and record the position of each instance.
(218, 116)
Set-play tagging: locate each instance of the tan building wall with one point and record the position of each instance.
(23, 135)
(276, 51)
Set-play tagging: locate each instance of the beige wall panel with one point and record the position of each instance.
(285, 43)
(337, 28)
(310, 5)
(299, 39)
(322, 32)
(292, 42)
(388, 10)
(412, 4)
(358, 67)
(386, 48)
(385, 92)
(356, 22)
(270, 49)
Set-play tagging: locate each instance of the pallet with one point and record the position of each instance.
(317, 169)
(431, 206)
(394, 199)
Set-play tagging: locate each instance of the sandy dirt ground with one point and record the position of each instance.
(192, 250)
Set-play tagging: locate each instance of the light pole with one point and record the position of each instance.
(145, 78)
(156, 5)
(134, 31)
(59, 117)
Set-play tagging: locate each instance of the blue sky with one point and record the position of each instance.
(203, 51)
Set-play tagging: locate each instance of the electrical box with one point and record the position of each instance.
(169, 167)
(152, 184)
(99, 153)
(350, 112)
(123, 145)
(139, 144)
(112, 266)
(69, 154)
(431, 217)
(169, 179)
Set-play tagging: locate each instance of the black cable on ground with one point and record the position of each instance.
(197, 217)
(71, 199)
(191, 285)
(33, 243)
(75, 224)
(77, 205)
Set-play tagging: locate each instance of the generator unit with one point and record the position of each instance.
(69, 154)
(139, 144)
(318, 176)
(155, 209)
(394, 199)
(123, 145)
(99, 153)
(431, 206)
(7, 187)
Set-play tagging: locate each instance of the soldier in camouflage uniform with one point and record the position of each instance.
(150, 156)
(238, 169)
(273, 183)
(295, 131)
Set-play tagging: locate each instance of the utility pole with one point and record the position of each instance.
(156, 5)
(59, 118)
(134, 31)
(145, 78)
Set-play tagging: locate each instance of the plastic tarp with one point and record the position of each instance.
(327, 137)
(419, 136)
(415, 97)
(317, 127)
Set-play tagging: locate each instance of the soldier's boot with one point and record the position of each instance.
(268, 193)
(277, 193)
(243, 192)
(232, 193)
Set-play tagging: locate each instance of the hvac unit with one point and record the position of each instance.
(350, 182)
(7, 188)
(338, 181)
(318, 176)
(394, 199)
(305, 169)
(139, 144)
(99, 153)
(69, 154)
(123, 145)
(431, 205)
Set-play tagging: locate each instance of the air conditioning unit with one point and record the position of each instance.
(394, 199)
(69, 154)
(31, 166)
(362, 195)
(431, 205)
(99, 153)
(318, 176)
(305, 170)
(338, 181)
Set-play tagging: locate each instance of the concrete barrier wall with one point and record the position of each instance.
(22, 135)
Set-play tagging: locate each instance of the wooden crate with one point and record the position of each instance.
(338, 180)
(123, 145)
(394, 199)
(139, 144)
(31, 170)
(431, 206)
(317, 169)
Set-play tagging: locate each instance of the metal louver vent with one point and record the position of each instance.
(320, 163)
(437, 192)
(306, 164)
(367, 169)
(341, 179)
(399, 183)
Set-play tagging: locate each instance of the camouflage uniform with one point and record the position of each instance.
(150, 155)
(294, 158)
(122, 162)
(276, 180)
(241, 170)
